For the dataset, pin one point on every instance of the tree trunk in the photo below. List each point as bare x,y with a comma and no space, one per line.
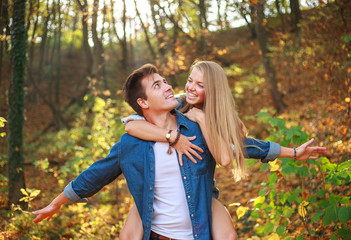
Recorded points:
98,48
153,55
203,26
16,179
89,57
58,60
281,16
295,13
267,63
43,43
159,35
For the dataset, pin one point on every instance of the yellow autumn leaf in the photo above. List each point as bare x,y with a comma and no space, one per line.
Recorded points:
259,200
24,192
273,236
274,165
35,193
347,99
240,212
302,210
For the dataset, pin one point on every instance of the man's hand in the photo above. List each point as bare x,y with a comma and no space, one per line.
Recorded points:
305,152
51,209
184,146
46,212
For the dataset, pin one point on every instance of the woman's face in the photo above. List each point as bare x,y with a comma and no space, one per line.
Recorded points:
195,89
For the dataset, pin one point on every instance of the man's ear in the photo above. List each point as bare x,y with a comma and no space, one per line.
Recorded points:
143,103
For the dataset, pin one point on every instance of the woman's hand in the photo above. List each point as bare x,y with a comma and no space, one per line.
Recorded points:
195,115
305,152
184,146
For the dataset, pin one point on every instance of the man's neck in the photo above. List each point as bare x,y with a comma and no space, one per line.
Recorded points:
163,120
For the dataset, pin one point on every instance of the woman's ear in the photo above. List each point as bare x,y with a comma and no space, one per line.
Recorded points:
142,103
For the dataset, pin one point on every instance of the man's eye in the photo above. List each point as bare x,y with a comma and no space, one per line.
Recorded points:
157,85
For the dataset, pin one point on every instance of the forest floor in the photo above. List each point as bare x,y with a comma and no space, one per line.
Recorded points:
323,113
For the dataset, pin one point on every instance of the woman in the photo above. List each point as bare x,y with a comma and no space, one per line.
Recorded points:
209,103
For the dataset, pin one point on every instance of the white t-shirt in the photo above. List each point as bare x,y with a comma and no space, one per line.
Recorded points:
171,216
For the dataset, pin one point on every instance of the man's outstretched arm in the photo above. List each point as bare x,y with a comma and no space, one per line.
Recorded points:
51,209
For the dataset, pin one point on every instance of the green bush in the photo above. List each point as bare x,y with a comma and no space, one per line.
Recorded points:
302,200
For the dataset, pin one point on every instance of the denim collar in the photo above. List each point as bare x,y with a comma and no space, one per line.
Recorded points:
182,121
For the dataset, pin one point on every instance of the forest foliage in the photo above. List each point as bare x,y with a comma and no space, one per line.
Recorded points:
78,55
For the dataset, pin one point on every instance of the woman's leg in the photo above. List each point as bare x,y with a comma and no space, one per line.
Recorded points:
222,226
133,227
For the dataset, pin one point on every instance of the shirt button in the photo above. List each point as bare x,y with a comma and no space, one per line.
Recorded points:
192,215
147,226
149,207
150,188
188,196
184,177
152,168
195,235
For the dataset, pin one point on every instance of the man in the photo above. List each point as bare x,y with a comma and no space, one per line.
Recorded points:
172,200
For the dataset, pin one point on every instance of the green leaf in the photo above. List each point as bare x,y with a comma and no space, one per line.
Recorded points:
280,230
299,237
303,171
268,228
273,178
316,217
262,192
345,200
333,237
313,171
343,214
344,165
312,199
311,161
321,193
330,215
255,215
346,38
264,166
344,233
250,162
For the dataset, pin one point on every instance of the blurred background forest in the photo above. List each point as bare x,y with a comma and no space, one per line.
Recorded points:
63,64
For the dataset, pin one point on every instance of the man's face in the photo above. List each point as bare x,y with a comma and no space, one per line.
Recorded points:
159,94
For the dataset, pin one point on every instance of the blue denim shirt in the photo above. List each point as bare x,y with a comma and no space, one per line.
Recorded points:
135,159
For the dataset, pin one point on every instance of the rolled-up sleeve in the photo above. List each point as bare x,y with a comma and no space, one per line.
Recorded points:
132,118
258,149
94,178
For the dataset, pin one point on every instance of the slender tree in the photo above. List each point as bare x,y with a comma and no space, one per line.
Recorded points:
295,13
16,179
277,96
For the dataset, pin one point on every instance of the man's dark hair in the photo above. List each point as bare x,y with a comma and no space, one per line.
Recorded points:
133,88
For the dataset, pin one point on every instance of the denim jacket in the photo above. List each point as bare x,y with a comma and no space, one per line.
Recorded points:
135,159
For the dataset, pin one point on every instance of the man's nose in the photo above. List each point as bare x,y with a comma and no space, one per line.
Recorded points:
168,87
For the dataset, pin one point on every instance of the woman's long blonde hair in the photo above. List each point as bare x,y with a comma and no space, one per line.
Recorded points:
222,121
